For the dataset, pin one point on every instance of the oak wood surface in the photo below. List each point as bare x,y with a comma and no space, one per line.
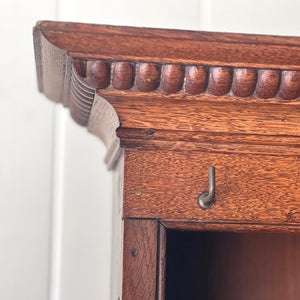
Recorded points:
140,259
175,140
208,116
172,46
251,188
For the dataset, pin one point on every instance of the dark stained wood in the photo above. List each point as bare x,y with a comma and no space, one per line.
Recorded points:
218,266
244,82
229,226
188,263
255,266
196,79
147,77
98,74
290,85
249,188
161,265
220,79
122,78
267,83
80,67
139,259
172,78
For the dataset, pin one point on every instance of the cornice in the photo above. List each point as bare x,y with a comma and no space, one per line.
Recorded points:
112,76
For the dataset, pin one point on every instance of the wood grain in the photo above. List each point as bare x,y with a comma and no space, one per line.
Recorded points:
244,82
161,264
195,80
172,78
139,259
208,116
249,188
98,74
172,46
175,140
220,79
267,83
227,226
147,77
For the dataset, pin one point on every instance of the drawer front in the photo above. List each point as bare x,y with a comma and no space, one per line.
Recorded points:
249,187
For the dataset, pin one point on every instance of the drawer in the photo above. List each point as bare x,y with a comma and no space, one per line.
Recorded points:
248,187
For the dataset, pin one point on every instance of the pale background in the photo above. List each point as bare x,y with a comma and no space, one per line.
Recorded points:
55,192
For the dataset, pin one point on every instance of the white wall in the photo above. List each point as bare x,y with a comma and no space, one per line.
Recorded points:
55,192
25,160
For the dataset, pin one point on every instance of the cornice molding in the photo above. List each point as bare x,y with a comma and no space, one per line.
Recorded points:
110,76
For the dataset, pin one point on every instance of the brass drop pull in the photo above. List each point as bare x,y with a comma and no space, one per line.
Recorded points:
207,198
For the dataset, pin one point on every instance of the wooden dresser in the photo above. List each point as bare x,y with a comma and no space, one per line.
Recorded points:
203,129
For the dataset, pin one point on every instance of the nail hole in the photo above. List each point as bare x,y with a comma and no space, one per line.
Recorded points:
150,132
134,252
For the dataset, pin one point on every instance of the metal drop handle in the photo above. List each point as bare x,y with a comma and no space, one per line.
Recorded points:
207,198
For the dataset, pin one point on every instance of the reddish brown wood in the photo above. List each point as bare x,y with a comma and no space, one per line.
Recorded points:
172,46
251,188
122,78
196,80
212,142
217,266
79,66
219,81
140,259
163,112
147,77
161,265
172,78
227,226
254,266
98,74
267,83
290,85
244,82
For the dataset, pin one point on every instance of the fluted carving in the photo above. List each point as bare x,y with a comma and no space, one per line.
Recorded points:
194,80
81,99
